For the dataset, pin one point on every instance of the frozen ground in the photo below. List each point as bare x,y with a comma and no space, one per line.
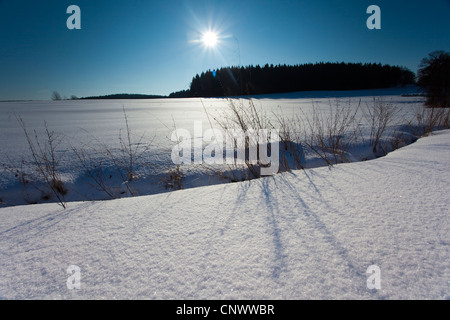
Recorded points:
84,126
308,234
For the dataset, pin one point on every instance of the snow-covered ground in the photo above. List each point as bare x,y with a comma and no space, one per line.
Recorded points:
308,234
376,229
95,127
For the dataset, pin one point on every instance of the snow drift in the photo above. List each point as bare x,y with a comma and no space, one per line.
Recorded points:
309,234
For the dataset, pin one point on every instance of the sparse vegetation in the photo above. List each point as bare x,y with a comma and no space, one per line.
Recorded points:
174,179
125,159
46,161
379,116
239,117
430,119
327,134
331,135
95,171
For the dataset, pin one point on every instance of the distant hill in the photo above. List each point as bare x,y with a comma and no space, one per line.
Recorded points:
125,96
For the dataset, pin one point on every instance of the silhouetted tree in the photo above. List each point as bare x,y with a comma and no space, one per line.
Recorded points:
56,96
180,94
248,80
434,78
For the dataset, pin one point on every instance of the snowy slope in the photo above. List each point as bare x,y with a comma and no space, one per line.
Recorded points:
303,235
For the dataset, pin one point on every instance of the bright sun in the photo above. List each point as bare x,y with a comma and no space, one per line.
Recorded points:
209,39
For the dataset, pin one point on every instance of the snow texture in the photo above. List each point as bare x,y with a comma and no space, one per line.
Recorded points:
308,234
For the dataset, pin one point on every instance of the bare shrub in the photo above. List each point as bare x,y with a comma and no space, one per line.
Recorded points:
244,118
174,179
429,119
292,155
94,170
46,161
331,135
125,159
379,115
399,138
130,151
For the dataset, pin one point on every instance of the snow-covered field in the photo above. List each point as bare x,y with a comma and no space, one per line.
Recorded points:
304,234
92,129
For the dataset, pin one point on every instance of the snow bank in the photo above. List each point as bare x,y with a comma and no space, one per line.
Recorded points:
303,235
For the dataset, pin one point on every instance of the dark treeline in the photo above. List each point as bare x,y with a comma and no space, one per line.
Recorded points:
125,96
250,80
180,94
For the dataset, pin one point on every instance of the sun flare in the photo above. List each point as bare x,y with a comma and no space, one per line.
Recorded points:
209,39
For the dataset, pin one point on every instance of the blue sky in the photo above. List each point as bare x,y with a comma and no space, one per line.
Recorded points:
150,47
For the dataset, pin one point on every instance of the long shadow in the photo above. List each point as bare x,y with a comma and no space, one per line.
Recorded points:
33,227
291,192
240,200
272,204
